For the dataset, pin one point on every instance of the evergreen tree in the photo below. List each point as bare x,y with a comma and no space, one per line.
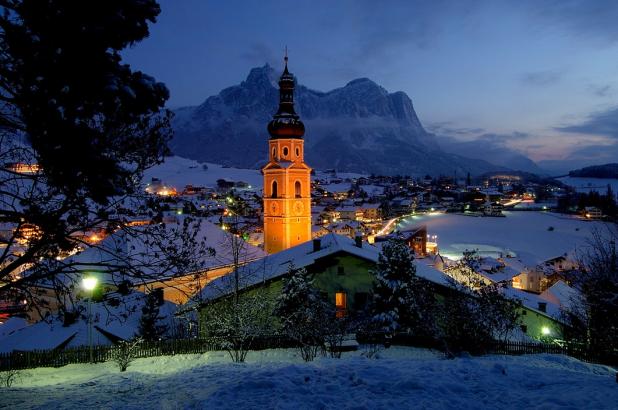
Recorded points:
393,289
610,201
70,105
150,327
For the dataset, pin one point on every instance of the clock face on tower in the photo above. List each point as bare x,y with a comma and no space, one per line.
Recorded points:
298,207
274,208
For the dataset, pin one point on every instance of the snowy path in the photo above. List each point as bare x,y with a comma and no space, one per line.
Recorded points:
276,379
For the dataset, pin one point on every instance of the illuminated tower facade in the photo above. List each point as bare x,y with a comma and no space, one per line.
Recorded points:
287,179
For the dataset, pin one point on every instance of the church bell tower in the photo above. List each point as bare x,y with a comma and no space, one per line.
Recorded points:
287,180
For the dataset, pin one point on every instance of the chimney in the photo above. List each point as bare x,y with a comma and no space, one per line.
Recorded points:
358,240
543,306
317,244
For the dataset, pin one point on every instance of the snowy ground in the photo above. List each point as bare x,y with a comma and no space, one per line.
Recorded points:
525,235
277,379
179,172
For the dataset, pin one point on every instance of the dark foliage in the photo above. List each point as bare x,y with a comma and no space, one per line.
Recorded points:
92,124
150,327
401,300
593,316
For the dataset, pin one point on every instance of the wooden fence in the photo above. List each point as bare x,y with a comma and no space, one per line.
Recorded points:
577,351
57,358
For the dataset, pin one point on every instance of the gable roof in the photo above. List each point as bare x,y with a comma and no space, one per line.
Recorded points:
303,255
112,256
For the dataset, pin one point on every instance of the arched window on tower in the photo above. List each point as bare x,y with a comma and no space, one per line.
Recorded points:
274,190
297,189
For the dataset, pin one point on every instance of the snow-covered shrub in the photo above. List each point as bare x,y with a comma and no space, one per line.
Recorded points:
305,316
470,320
238,321
335,331
125,352
9,376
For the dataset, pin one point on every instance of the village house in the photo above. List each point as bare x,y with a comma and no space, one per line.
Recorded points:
342,267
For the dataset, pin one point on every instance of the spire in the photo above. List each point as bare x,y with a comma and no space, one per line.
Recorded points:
286,123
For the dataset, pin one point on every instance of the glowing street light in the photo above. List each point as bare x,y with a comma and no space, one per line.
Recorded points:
546,331
89,283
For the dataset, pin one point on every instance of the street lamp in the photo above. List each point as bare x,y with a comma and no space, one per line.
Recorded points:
89,283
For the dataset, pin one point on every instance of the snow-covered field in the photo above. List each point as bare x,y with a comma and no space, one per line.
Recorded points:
591,184
179,172
277,379
526,235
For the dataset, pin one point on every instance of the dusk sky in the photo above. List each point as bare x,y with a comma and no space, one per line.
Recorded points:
538,76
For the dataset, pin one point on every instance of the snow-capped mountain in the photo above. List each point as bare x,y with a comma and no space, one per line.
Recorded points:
360,127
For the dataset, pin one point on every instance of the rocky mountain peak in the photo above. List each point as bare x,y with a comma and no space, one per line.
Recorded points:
360,127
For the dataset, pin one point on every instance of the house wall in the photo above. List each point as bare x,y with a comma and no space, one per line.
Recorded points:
335,273
343,273
180,289
535,322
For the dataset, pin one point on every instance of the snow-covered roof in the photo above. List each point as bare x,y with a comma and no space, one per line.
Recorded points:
348,208
278,264
339,187
370,206
372,190
109,257
561,294
121,321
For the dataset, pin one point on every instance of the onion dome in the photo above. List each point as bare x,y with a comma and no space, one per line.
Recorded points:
286,123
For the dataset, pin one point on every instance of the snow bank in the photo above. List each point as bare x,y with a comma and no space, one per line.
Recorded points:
400,378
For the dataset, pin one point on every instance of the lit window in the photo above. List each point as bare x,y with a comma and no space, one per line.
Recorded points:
340,300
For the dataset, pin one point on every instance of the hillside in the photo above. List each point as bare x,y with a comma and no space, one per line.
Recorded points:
606,171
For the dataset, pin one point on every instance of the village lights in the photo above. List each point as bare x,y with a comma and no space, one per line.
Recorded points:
89,283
